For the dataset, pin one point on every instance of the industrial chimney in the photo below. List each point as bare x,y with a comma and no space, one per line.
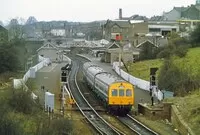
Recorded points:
120,13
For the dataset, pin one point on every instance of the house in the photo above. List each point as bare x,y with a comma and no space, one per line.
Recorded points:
3,34
113,52
162,28
174,14
127,30
146,49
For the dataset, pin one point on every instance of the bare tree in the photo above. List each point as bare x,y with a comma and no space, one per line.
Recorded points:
15,30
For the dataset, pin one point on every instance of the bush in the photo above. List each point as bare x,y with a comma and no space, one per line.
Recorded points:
22,101
195,37
173,50
8,126
166,53
181,51
8,59
173,79
57,127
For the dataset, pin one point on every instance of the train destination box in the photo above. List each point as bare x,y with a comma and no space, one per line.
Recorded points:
49,101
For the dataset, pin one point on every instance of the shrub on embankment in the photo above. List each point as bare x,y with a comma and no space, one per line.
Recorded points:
181,75
21,115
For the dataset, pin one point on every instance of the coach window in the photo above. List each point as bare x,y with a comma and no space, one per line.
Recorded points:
114,92
128,93
121,92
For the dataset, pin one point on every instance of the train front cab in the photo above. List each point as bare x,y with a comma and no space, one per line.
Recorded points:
121,98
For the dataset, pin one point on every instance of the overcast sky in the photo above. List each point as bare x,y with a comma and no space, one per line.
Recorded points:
84,10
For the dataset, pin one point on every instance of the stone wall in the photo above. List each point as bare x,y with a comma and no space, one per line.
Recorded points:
179,123
160,111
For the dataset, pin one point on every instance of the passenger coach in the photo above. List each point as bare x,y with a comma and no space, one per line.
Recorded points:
116,94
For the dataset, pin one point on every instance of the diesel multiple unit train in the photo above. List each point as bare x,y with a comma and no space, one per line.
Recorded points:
116,94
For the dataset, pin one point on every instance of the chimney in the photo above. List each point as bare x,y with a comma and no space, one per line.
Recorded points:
120,13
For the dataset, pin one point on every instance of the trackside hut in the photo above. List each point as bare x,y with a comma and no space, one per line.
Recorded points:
112,53
148,47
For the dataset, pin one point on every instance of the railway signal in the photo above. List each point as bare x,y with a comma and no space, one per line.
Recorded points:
153,85
64,73
64,77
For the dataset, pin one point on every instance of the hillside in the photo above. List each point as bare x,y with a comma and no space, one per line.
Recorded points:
190,63
142,69
189,106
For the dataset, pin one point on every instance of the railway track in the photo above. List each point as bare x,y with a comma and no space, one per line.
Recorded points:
136,126
101,125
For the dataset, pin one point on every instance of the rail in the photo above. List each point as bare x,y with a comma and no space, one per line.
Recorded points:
101,125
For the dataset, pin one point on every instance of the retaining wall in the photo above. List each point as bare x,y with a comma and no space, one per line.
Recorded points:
162,111
179,123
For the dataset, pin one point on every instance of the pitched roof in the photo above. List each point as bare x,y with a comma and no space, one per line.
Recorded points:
147,41
122,23
157,18
48,45
114,45
138,17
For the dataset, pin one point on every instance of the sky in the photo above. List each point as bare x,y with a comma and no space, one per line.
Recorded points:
84,10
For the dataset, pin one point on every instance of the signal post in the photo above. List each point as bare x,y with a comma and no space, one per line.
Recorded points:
153,86
64,83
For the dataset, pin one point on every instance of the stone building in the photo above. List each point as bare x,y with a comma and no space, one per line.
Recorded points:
113,52
128,30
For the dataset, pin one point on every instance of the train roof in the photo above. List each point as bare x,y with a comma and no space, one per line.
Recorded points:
101,74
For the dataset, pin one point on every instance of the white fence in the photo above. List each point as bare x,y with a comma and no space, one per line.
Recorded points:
142,84
17,83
